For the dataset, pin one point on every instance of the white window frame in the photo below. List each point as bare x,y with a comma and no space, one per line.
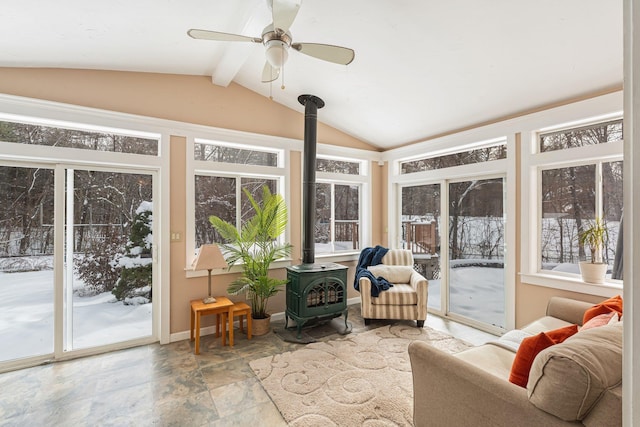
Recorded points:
533,163
363,181
48,113
279,173
503,168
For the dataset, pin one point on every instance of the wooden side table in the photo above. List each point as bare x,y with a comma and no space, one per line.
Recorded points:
223,306
242,310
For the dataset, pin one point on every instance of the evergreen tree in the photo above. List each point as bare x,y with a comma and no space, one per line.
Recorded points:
134,285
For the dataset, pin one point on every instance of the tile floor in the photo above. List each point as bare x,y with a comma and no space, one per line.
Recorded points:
166,385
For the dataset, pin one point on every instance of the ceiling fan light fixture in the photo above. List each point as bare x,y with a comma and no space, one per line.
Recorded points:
276,52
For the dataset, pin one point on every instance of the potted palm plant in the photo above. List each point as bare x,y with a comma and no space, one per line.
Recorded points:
256,246
594,238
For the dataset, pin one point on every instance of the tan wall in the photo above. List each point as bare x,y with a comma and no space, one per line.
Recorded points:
532,301
189,99
194,99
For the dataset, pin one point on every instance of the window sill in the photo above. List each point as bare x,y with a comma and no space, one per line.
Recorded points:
235,269
337,257
607,289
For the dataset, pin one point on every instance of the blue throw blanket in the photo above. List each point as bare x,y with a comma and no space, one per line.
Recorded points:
371,256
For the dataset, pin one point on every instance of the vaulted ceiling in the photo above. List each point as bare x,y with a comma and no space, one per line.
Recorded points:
422,67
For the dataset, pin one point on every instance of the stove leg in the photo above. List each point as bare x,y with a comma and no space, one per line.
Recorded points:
346,325
286,320
299,336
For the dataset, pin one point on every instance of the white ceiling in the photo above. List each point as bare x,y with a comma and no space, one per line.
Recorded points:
422,67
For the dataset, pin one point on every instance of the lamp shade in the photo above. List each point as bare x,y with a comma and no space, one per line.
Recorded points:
209,257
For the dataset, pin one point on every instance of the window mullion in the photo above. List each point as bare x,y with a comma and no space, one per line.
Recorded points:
599,192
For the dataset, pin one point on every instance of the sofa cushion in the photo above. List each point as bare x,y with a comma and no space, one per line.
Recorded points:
399,294
393,273
607,306
600,320
529,349
568,379
493,359
546,323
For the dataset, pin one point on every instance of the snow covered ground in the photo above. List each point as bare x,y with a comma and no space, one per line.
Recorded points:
26,310
476,293
26,317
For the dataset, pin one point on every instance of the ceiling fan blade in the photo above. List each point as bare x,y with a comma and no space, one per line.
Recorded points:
218,36
284,12
269,73
336,54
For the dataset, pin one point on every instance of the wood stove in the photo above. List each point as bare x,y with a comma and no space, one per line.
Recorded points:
314,291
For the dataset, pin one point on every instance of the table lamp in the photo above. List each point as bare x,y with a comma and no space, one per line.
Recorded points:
208,258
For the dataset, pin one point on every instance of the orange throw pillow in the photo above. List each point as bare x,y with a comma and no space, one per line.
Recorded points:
606,306
529,349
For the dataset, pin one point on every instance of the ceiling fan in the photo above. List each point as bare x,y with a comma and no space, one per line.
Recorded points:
277,40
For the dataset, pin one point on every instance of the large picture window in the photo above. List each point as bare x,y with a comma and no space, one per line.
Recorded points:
221,174
218,195
577,186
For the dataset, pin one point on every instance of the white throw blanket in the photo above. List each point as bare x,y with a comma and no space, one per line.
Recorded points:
511,340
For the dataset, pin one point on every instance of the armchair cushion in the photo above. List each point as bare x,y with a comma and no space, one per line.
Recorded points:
393,273
400,294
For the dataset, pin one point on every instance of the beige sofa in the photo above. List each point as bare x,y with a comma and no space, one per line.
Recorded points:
577,382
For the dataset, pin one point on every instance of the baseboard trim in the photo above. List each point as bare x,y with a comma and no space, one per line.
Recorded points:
185,335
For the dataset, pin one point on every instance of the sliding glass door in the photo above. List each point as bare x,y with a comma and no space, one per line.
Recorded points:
476,285
83,279
465,266
26,262
421,223
108,257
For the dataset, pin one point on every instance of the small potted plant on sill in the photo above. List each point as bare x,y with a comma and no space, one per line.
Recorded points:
594,238
256,246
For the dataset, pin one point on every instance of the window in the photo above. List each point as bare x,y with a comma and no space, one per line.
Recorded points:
467,157
599,133
338,205
219,184
58,136
217,195
214,152
580,179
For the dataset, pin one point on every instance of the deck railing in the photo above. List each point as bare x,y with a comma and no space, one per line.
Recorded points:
420,238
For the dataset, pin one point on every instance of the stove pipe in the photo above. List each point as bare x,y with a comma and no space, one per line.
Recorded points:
311,104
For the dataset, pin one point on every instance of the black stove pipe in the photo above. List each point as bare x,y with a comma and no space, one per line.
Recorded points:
311,104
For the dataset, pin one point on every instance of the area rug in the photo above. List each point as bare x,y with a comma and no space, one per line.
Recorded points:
359,380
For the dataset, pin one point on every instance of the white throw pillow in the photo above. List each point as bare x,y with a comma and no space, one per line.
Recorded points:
393,273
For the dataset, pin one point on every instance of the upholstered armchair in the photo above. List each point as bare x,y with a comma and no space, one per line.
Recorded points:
406,299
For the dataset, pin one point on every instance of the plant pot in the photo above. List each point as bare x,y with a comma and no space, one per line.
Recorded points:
261,326
593,272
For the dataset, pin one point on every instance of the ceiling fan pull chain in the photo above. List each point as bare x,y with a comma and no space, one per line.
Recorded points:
282,69
271,90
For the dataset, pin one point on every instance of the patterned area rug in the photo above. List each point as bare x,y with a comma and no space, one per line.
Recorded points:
359,380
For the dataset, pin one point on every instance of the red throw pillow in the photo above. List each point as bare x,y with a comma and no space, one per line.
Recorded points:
606,306
529,349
